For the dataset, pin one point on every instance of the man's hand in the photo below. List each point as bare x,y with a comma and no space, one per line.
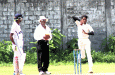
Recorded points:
75,18
77,22
14,47
84,32
46,37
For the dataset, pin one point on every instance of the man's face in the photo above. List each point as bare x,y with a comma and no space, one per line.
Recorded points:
20,19
43,21
84,20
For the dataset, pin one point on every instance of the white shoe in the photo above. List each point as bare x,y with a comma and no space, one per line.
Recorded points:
90,69
41,73
47,72
13,73
22,73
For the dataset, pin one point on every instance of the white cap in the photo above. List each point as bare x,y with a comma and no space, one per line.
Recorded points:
43,17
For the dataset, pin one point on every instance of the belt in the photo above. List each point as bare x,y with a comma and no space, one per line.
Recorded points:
43,40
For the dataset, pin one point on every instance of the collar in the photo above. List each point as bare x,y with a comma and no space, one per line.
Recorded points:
16,23
42,26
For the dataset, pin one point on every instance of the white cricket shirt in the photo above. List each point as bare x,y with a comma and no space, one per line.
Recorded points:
40,32
18,35
87,28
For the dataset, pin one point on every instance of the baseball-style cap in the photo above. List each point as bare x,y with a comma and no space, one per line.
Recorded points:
18,16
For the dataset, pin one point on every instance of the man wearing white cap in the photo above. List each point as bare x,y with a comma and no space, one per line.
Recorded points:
16,36
43,34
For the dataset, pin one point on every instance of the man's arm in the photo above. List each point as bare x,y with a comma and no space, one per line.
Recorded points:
91,30
90,33
37,33
11,38
75,18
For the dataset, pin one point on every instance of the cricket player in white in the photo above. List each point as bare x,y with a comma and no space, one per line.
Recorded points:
84,30
16,36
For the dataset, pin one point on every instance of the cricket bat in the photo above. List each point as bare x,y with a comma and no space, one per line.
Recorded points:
17,66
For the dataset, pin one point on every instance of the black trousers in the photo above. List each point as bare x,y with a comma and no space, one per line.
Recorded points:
43,55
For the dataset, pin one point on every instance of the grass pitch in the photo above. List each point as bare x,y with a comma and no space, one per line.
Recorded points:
59,69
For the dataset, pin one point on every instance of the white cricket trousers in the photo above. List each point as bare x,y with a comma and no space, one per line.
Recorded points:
85,44
21,56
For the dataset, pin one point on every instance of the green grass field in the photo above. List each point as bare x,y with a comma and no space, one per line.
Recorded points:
31,69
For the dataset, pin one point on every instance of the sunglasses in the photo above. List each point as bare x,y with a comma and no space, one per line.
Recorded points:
43,20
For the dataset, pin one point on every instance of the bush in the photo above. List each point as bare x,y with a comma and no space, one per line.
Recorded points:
57,54
72,44
6,54
103,56
31,57
96,56
109,44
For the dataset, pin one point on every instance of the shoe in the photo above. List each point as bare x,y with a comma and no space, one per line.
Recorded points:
13,73
19,74
90,71
22,74
41,73
47,72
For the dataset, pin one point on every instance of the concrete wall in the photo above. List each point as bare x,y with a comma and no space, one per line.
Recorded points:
101,17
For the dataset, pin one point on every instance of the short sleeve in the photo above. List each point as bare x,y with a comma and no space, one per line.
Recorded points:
77,22
38,34
90,28
13,29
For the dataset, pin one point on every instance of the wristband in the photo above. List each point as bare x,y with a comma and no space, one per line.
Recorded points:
91,33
